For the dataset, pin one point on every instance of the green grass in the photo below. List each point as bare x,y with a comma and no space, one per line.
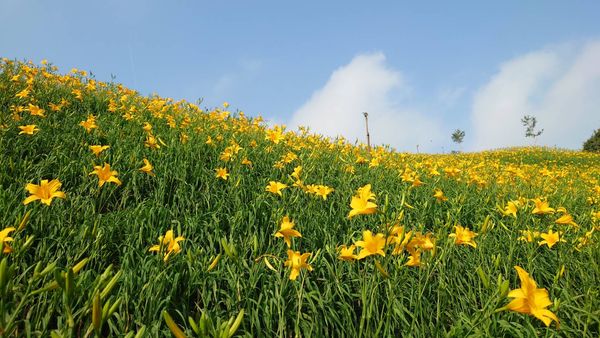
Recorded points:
114,226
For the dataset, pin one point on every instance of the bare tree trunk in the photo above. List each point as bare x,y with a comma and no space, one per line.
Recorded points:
367,126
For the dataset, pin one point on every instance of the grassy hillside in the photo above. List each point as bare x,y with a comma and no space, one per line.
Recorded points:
86,259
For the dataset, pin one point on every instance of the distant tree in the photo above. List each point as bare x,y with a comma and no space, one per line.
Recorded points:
593,143
529,122
458,136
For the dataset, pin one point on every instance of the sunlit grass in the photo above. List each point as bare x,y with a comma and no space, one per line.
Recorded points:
216,188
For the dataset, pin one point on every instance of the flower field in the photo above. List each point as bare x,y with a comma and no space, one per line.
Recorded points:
125,215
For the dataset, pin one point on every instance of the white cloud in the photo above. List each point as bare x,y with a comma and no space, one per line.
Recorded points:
366,84
560,86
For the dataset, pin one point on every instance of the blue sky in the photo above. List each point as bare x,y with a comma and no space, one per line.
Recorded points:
421,70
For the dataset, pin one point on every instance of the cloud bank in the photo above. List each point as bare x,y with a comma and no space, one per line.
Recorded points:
560,86
366,84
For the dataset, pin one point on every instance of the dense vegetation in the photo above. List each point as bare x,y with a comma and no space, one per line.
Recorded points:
593,143
265,232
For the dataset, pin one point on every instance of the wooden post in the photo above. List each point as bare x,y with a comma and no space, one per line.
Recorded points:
367,126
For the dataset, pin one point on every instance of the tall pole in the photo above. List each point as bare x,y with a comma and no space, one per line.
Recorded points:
367,126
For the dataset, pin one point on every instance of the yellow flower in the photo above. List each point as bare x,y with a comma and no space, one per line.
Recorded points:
286,230
276,187
347,253
510,209
596,215
226,155
296,262
420,241
151,142
530,299
23,93
439,196
89,124
414,259
29,129
147,168
274,135
167,245
54,106
147,127
222,173
566,219
105,175
77,94
247,162
362,203
297,172
36,111
417,182
371,245
322,190
528,235
399,238
542,207
5,239
551,238
44,192
97,149
463,236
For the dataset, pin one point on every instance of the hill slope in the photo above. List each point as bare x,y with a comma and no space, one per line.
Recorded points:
211,177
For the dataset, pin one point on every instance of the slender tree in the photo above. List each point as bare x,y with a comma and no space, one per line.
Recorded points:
529,122
458,136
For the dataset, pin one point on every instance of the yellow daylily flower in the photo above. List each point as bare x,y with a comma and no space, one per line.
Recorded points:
276,187
322,191
151,142
421,242
222,173
89,124
530,299
36,111
439,196
297,262
147,168
105,175
400,238
23,93
167,244
297,172
5,239
542,207
362,203
286,230
347,253
29,129
528,235
566,219
97,149
44,192
371,245
463,235
414,259
511,208
551,238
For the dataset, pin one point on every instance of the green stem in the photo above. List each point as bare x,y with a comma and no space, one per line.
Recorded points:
10,323
299,305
